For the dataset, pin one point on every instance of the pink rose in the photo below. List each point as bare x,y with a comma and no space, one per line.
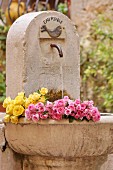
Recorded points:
72,114
32,107
35,118
54,108
43,116
95,114
77,116
60,110
50,112
96,118
59,103
72,107
80,113
77,101
41,109
86,111
28,114
86,102
90,103
49,104
83,106
56,116
67,111
40,104
94,111
88,117
47,109
66,99
78,107
71,103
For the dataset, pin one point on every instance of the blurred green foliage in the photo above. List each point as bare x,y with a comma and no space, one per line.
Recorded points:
97,63
3,35
2,87
63,8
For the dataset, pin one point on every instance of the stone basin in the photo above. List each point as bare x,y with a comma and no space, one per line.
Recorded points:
61,138
49,139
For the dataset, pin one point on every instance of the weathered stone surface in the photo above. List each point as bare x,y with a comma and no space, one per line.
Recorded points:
2,136
1,117
84,163
32,63
52,142
108,165
10,160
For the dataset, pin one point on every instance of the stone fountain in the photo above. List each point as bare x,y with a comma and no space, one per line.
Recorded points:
43,50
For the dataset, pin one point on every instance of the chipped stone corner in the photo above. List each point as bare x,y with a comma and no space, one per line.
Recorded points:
8,158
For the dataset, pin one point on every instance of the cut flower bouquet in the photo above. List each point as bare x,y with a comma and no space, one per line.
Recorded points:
37,107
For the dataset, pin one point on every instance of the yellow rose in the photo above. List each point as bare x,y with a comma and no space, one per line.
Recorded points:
21,94
36,96
9,109
42,99
6,102
19,100
30,97
12,102
18,110
7,118
43,91
14,119
27,102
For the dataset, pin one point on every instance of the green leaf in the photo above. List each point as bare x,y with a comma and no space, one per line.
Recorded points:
71,119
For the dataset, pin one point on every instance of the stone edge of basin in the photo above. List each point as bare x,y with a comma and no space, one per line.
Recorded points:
105,118
2,114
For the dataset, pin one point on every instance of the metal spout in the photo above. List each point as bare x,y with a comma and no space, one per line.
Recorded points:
58,48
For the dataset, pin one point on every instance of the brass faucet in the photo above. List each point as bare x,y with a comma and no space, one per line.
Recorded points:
58,48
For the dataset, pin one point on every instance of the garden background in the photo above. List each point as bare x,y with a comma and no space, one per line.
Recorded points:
94,22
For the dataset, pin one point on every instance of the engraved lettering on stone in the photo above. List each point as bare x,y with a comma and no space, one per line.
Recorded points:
52,19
